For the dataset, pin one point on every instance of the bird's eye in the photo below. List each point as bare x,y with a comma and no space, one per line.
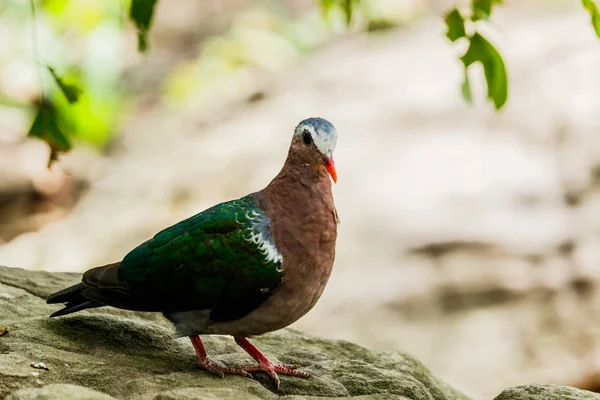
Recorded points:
306,137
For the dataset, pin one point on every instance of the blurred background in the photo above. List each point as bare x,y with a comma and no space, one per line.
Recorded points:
469,238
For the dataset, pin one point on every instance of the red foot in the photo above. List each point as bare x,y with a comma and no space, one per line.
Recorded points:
272,369
266,365
221,371
205,363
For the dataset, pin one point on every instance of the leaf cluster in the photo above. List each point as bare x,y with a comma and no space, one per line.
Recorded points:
592,8
140,13
462,25
48,124
347,7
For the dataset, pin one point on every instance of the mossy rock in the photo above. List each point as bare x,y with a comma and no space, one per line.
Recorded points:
106,353
114,354
546,392
59,392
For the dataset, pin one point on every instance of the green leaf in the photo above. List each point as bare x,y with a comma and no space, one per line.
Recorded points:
456,25
465,89
380,25
589,5
346,6
592,8
596,23
140,13
348,9
45,126
327,4
482,9
480,50
71,92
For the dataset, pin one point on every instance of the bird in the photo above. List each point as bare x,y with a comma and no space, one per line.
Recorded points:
243,268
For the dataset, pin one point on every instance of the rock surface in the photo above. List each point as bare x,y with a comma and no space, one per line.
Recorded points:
59,392
114,354
130,355
546,392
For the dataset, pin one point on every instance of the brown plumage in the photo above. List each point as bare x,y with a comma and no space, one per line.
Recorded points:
295,228
299,201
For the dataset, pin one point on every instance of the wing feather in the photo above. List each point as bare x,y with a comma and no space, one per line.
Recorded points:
209,261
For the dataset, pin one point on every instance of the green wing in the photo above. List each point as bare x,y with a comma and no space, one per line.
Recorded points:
222,259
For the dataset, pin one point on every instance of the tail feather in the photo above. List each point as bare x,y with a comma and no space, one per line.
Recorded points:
74,299
71,308
67,294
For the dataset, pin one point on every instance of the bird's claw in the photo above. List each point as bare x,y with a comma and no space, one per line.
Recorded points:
272,370
221,371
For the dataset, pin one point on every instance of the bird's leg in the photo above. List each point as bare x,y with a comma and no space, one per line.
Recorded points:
205,363
266,365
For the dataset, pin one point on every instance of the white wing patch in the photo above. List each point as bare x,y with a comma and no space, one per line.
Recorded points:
267,247
261,236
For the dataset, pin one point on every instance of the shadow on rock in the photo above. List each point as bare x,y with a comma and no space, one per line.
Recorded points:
97,334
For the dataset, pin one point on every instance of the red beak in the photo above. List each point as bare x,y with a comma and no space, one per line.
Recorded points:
330,165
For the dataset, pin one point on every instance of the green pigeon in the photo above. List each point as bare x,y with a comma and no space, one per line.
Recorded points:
243,268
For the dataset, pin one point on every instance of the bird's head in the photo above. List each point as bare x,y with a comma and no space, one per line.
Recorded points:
316,138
